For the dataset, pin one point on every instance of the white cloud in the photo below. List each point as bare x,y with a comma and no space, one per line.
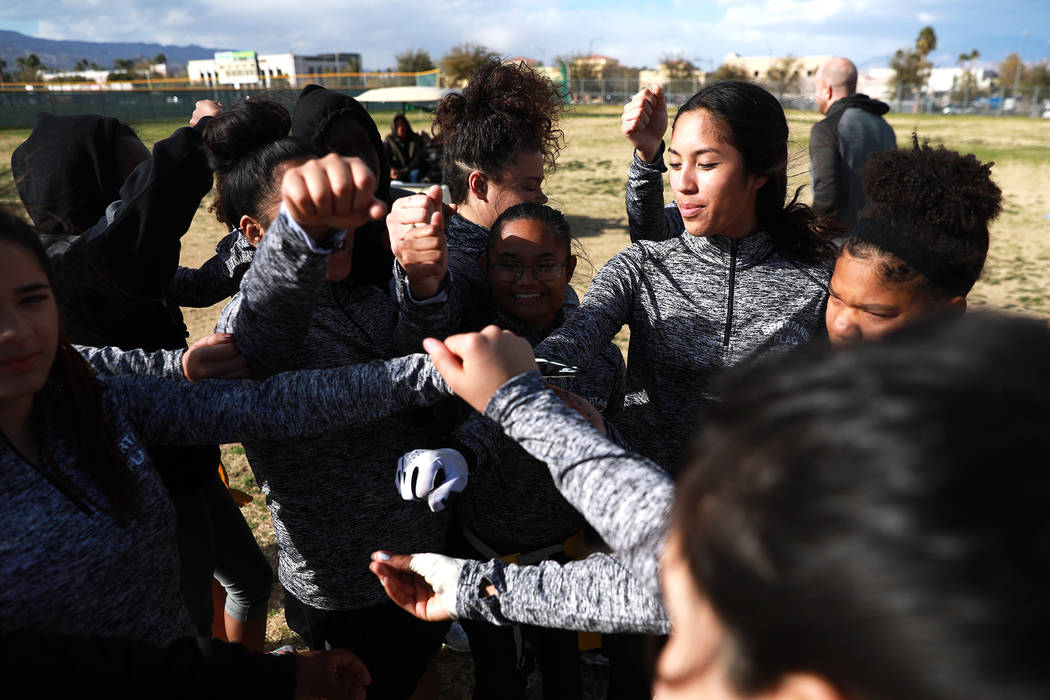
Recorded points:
637,33
778,12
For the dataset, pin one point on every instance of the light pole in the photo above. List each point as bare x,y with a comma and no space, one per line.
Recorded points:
1020,64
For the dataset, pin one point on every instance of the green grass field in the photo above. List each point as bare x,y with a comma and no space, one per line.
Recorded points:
589,187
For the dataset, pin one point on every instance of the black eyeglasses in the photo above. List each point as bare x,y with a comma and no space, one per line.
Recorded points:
544,271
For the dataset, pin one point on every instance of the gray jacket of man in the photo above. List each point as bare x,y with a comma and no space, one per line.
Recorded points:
839,146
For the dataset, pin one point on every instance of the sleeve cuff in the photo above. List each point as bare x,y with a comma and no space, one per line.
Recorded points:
513,392
332,240
440,297
657,163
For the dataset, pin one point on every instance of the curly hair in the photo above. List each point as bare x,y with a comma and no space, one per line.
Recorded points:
943,198
505,109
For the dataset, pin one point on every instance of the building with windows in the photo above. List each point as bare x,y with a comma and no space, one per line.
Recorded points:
238,68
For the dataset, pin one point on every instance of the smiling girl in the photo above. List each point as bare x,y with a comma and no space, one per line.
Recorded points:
511,506
501,137
89,525
731,273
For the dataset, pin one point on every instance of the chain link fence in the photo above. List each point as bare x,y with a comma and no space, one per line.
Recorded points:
148,100
174,99
1002,101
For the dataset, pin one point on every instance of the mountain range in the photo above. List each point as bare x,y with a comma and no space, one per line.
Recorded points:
63,55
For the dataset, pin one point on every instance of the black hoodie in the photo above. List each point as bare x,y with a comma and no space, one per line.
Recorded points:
315,110
114,245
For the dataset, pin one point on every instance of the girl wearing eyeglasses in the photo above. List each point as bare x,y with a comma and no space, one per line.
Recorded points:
511,506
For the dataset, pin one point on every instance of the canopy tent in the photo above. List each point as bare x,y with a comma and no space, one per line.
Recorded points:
408,94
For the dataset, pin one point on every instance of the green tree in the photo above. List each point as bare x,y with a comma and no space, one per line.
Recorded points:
907,69
413,61
29,68
911,69
124,69
926,41
84,64
784,74
462,60
966,84
729,71
677,66
159,58
5,77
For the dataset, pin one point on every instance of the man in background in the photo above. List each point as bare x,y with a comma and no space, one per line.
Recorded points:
852,130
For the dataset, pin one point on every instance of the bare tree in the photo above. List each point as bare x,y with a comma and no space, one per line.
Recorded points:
462,60
784,74
677,66
579,67
729,71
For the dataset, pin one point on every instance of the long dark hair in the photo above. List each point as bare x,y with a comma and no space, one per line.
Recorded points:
505,109
73,400
879,516
753,122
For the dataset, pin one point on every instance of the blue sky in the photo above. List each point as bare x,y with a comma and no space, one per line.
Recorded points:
638,33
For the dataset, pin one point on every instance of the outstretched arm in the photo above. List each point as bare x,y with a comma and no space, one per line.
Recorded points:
625,497
291,404
597,594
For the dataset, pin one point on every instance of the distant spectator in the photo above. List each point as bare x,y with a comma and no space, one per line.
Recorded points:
839,145
404,151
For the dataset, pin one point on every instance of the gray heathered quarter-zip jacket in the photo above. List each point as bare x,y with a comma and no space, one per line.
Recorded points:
510,500
625,497
331,497
694,306
78,569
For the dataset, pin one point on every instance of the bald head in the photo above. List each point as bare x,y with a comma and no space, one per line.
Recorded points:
836,79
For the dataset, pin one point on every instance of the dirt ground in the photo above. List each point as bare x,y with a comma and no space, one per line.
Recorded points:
588,186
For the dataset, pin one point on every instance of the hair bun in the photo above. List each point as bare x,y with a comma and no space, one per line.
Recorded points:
244,127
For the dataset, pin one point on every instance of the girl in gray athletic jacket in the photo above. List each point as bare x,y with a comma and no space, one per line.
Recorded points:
729,273
835,517
511,507
89,527
301,306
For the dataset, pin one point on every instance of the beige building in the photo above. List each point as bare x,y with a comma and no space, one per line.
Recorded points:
661,76
601,67
757,67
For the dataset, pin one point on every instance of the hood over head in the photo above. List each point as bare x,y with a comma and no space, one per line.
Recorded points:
317,108
315,111
68,171
399,117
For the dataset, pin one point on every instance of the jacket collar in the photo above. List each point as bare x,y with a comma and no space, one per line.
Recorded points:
750,250
858,101
465,236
